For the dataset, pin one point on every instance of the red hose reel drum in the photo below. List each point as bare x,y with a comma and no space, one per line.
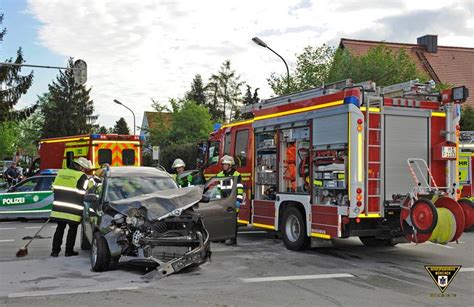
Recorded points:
423,217
468,209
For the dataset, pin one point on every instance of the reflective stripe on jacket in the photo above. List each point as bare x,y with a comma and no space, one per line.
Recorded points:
69,188
226,186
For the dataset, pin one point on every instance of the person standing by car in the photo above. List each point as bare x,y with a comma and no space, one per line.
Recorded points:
179,166
69,190
228,170
12,175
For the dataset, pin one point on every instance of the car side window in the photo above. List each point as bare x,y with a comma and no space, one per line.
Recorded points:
27,185
218,187
45,184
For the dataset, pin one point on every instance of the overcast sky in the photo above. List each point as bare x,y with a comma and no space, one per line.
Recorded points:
138,50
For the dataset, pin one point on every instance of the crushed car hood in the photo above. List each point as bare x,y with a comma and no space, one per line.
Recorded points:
160,204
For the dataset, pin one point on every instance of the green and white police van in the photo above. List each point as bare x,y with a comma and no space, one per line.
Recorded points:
32,198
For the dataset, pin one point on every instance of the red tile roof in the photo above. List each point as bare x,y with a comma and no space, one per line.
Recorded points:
451,65
154,117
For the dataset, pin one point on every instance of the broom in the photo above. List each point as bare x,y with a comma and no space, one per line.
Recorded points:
22,252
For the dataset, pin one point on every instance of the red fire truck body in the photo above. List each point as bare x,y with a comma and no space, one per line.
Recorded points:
113,149
333,163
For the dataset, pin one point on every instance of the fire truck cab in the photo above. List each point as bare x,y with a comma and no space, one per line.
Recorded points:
350,160
113,149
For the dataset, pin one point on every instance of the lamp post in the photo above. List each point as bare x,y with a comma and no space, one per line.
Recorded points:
261,43
118,102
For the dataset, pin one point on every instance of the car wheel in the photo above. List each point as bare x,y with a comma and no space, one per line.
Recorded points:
294,230
85,244
100,255
374,242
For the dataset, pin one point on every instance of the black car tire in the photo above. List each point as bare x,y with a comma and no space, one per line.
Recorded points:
294,230
85,244
100,254
374,242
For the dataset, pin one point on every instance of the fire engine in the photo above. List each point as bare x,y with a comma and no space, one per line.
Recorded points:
350,160
113,149
466,164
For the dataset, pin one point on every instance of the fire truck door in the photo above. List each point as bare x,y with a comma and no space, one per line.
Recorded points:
220,217
405,137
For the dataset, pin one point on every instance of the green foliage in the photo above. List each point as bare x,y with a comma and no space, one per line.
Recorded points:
380,64
197,92
13,85
69,110
312,70
467,119
29,134
250,98
103,130
187,152
121,127
190,124
8,132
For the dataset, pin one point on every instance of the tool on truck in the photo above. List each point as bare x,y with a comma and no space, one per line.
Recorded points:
331,162
111,149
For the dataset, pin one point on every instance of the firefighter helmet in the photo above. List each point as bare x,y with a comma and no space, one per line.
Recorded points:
227,160
83,162
178,163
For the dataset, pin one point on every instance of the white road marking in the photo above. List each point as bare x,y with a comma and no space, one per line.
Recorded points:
297,277
467,269
33,227
8,228
256,231
445,246
2,241
72,291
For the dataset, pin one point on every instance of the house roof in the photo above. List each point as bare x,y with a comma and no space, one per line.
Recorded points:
152,118
451,65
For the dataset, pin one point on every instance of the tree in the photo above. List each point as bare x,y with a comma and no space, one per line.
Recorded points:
312,70
69,110
379,64
467,119
225,88
197,92
103,130
121,127
320,65
8,133
14,85
191,123
250,99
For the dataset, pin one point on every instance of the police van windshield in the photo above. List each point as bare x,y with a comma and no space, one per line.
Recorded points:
127,187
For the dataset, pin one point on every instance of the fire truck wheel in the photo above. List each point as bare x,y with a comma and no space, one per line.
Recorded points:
374,242
294,230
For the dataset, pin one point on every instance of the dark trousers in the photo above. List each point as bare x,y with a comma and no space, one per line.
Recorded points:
71,237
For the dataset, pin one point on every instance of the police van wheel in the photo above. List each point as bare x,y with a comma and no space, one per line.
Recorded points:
85,244
294,230
100,255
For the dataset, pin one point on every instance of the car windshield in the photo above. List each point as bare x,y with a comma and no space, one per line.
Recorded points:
127,187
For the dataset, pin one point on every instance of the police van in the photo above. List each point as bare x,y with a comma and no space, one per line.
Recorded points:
32,198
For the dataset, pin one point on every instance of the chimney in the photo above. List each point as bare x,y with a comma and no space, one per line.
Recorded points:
430,42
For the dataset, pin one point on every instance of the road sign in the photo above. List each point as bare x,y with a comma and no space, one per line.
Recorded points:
80,72
156,152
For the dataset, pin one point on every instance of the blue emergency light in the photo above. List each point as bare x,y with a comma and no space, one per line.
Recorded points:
352,100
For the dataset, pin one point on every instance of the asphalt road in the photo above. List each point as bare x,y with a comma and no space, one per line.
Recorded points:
257,272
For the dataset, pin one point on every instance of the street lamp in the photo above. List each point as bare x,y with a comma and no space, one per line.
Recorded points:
261,43
118,102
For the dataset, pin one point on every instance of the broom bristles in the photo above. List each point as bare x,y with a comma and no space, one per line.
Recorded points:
22,252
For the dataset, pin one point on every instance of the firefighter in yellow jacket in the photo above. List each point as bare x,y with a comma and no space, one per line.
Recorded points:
69,189
228,170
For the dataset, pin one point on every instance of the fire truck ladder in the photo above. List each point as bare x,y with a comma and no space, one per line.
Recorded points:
374,137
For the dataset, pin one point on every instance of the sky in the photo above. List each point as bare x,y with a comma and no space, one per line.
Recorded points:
152,49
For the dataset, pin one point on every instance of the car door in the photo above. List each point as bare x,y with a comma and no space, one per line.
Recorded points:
219,214
91,211
23,200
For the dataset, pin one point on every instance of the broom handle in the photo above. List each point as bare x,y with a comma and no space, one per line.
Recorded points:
31,240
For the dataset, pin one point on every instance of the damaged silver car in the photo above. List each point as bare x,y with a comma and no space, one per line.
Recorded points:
138,215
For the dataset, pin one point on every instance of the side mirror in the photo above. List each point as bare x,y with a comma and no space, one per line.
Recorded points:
12,189
205,198
91,198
